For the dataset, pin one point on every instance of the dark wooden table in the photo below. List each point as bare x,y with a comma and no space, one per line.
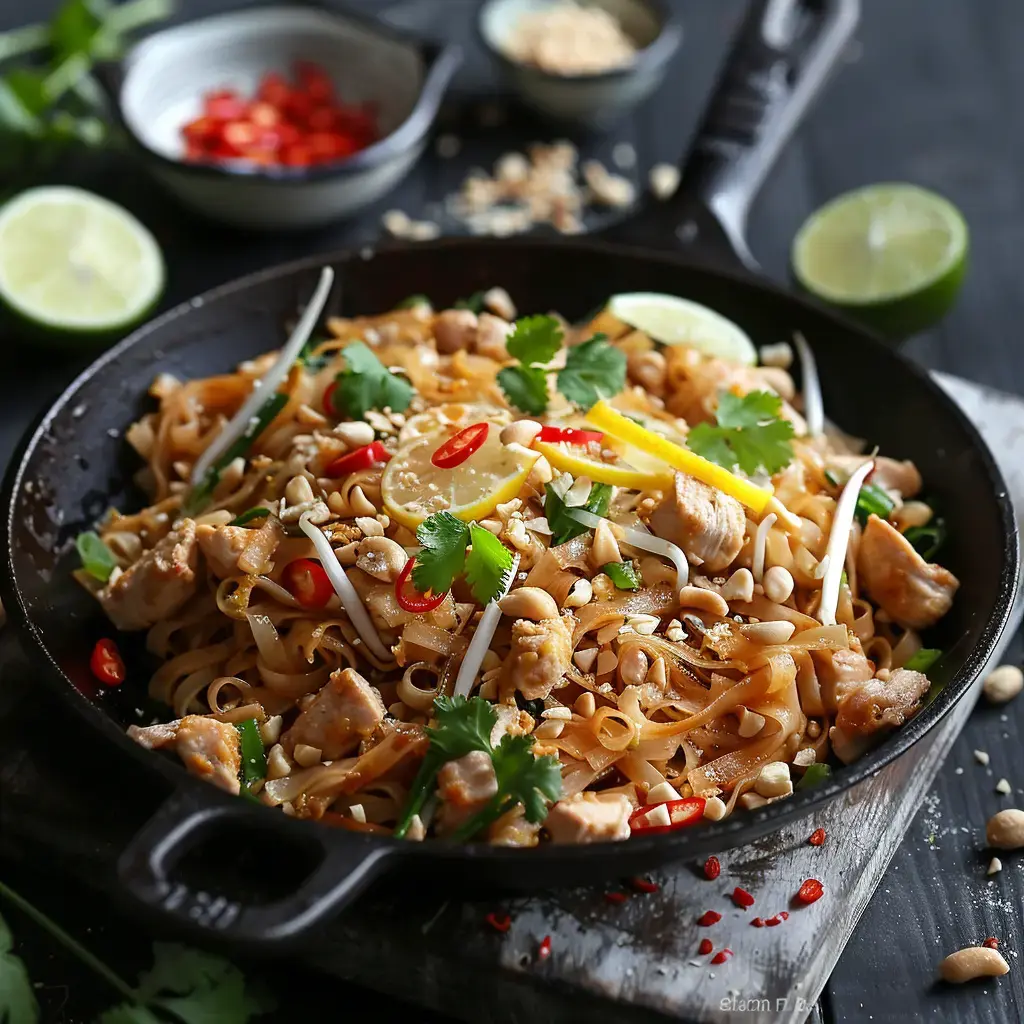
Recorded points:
931,95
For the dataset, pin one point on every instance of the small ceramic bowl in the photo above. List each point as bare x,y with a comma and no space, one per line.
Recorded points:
160,85
593,99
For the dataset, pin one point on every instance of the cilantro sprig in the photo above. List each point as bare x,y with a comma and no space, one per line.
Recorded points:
750,434
487,566
563,526
464,726
366,383
593,370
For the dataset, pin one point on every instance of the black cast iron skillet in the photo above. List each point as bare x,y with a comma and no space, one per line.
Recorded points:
75,463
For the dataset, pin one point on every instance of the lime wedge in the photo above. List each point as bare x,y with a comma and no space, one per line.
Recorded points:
893,255
674,321
72,263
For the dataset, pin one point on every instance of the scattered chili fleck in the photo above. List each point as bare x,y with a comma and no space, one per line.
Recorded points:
712,868
544,949
644,885
705,947
722,956
709,917
811,891
615,897
758,922
742,898
784,914
499,922
992,942
773,921
817,837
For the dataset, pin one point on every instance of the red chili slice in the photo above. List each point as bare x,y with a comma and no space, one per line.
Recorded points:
409,597
708,918
499,922
817,837
307,581
615,897
720,958
107,664
328,400
705,947
742,898
457,449
811,891
225,105
773,921
991,942
644,885
544,949
362,458
568,435
759,922
680,812
712,868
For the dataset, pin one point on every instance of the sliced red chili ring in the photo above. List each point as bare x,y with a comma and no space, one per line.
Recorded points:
307,581
329,399
461,446
362,458
107,664
742,898
705,947
499,922
712,868
817,837
409,597
720,958
811,891
680,813
568,435
708,918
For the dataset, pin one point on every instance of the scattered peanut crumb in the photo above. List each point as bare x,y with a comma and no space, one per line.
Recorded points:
448,146
981,756
995,865
400,225
1004,787
664,180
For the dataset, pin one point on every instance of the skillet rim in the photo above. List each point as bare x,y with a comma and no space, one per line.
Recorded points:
713,835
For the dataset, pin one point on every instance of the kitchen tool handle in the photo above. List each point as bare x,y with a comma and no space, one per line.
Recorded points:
779,63
146,869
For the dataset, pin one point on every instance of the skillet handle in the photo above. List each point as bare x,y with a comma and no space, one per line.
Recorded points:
778,64
342,870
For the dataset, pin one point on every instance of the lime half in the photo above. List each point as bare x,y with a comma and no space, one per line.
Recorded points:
892,255
72,263
674,321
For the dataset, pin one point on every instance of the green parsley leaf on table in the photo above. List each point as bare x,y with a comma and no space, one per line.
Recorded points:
366,383
623,575
564,527
444,539
17,999
593,370
488,565
535,339
526,387
750,434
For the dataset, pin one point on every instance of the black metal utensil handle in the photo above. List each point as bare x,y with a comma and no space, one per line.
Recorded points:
780,60
341,869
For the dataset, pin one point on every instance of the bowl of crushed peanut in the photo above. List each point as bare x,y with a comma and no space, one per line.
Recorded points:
585,61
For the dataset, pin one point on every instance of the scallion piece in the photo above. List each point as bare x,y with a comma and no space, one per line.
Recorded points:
816,774
833,478
97,559
413,301
922,660
623,575
475,303
249,515
254,759
927,540
872,500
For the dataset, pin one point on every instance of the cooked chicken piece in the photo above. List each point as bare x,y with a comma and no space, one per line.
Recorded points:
589,818
703,521
208,748
464,786
511,721
221,547
838,672
540,656
915,593
879,704
893,475
491,335
345,711
157,585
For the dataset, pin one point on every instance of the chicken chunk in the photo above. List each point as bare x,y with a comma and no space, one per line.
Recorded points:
540,656
898,477
878,704
912,591
345,712
208,748
702,520
491,337
157,585
589,818
221,547
465,786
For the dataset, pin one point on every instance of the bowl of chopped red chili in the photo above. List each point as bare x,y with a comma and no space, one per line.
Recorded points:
281,117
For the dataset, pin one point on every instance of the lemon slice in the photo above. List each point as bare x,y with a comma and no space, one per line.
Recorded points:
413,487
675,321
580,461
452,416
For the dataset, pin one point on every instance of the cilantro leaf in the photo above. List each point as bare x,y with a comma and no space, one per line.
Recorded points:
623,575
535,339
488,565
463,725
594,370
97,559
17,1000
563,527
444,539
525,387
750,434
367,384
526,779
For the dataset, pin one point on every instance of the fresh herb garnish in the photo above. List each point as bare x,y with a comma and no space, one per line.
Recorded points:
474,303
97,559
623,575
488,565
563,526
367,384
750,434
816,774
525,387
833,478
593,370
443,557
254,758
313,360
923,659
413,301
927,540
249,515
464,726
873,500
201,494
